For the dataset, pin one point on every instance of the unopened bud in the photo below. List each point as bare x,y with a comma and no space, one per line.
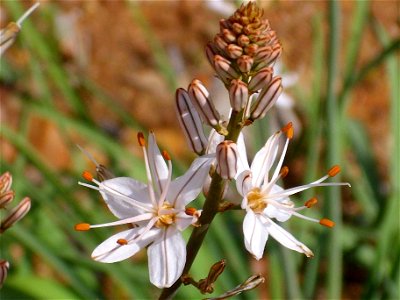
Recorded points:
103,173
267,56
238,94
6,198
251,49
237,28
201,100
190,122
227,159
16,214
224,69
243,40
245,63
228,35
234,51
5,182
220,42
261,79
210,53
267,98
4,267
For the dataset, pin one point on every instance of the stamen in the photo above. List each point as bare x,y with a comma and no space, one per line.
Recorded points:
190,211
87,175
122,242
334,171
88,186
141,139
311,202
166,155
82,227
284,172
327,223
288,130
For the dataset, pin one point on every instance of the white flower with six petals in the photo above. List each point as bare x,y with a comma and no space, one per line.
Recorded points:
156,211
264,200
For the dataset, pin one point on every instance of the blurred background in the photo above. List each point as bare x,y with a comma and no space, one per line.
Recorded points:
94,73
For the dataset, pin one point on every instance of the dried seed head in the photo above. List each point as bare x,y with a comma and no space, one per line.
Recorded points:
201,100
4,267
238,94
267,98
248,33
190,122
16,214
227,159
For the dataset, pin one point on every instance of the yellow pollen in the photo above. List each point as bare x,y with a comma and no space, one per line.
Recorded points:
327,223
334,171
82,227
311,202
87,175
167,219
256,200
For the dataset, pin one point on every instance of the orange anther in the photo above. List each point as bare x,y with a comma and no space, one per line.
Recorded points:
327,223
122,242
141,140
190,211
166,155
82,227
87,175
311,202
284,171
334,171
288,130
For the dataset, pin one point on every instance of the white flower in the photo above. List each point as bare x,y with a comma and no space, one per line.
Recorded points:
264,200
156,211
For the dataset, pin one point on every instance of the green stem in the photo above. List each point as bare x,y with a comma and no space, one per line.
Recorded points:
333,199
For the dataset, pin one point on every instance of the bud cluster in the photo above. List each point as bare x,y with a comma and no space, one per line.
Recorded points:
12,216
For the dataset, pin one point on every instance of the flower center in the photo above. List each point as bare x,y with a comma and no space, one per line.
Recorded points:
165,218
256,200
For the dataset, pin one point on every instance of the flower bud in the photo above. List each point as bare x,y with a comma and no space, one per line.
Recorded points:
201,100
6,198
5,182
243,40
16,214
228,35
220,42
234,51
210,53
261,79
268,56
245,63
238,94
224,69
267,98
227,159
4,266
190,122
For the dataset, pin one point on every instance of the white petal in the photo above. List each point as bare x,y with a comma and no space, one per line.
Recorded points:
134,197
243,183
286,239
264,160
242,162
213,140
255,234
272,211
110,251
167,257
158,166
186,188
183,221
